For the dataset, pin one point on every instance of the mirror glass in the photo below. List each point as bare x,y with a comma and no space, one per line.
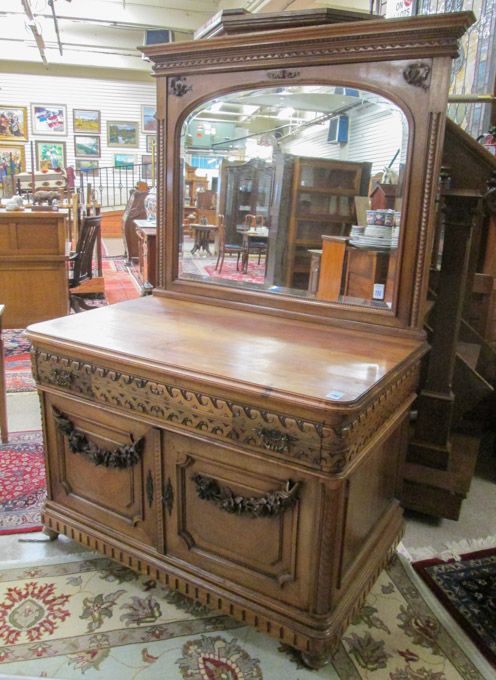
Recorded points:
295,191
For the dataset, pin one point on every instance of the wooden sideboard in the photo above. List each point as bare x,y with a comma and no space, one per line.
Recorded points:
269,497
34,249
238,443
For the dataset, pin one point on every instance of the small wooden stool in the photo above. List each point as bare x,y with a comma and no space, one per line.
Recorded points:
3,395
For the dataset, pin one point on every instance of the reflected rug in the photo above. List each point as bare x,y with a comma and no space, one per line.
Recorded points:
22,483
467,588
96,619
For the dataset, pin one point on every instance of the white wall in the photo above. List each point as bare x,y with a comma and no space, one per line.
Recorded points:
115,99
375,134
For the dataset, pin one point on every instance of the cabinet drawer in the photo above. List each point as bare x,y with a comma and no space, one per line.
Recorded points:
104,466
239,517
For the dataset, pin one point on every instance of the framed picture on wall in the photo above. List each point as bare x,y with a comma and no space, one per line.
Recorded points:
148,118
49,119
50,155
124,160
149,141
87,145
122,133
83,165
146,167
13,123
12,160
86,121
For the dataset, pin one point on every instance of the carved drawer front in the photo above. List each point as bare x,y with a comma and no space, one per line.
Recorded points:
104,466
240,518
273,433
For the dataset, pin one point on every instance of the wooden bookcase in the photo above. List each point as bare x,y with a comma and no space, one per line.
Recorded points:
322,203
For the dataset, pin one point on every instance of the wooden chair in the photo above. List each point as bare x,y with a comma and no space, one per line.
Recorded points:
230,248
81,260
254,246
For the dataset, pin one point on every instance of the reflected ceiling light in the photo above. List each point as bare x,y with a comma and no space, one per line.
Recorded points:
216,107
286,113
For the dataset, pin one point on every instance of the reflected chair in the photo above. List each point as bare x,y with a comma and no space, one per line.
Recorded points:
254,246
240,250
81,260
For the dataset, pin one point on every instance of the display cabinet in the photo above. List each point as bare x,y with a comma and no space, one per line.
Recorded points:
322,203
238,440
245,189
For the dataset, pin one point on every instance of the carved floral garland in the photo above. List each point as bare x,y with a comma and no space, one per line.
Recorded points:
122,457
274,503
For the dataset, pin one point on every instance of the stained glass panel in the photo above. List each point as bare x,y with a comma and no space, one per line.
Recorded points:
474,70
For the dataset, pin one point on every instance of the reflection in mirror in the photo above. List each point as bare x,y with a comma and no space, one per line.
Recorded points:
297,191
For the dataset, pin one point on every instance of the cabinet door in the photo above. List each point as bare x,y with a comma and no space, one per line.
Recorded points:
270,554
124,499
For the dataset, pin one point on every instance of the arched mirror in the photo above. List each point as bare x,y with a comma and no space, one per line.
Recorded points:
296,191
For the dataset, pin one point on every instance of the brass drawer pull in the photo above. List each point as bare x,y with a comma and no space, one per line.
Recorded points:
121,457
274,440
273,503
62,378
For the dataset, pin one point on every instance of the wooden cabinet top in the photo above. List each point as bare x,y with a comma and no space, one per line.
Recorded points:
33,214
251,353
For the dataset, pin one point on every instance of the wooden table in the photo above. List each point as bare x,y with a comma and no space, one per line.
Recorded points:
146,231
34,250
201,234
249,236
3,395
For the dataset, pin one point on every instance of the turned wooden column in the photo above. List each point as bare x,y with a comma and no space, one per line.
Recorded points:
431,443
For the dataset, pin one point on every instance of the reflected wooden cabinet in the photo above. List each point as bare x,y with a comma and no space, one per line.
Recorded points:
322,203
245,189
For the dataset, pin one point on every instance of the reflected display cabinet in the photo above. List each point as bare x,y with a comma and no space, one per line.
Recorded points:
237,440
322,203
245,189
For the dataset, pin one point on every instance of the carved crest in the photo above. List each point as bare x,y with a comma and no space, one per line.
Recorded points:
283,74
178,86
417,74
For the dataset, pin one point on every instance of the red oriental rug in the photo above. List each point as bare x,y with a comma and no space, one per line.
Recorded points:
467,589
255,274
18,376
22,483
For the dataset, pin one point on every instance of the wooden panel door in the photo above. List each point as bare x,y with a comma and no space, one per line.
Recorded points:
125,499
268,554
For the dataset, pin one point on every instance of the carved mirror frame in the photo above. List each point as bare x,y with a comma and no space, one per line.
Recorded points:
408,61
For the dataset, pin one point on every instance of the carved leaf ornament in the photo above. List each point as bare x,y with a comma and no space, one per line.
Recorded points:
122,457
273,503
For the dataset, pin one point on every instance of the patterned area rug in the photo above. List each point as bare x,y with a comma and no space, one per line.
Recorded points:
255,273
467,588
122,281
96,619
22,483
18,376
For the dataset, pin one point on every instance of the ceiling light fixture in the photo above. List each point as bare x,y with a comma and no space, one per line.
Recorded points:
35,31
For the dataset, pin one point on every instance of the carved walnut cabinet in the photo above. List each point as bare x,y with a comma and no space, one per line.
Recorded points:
241,445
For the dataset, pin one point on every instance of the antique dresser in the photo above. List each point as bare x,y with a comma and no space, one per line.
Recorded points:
237,440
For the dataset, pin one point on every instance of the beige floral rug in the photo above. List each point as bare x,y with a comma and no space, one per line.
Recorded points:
95,619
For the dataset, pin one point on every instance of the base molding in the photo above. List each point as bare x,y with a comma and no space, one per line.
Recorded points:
316,644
